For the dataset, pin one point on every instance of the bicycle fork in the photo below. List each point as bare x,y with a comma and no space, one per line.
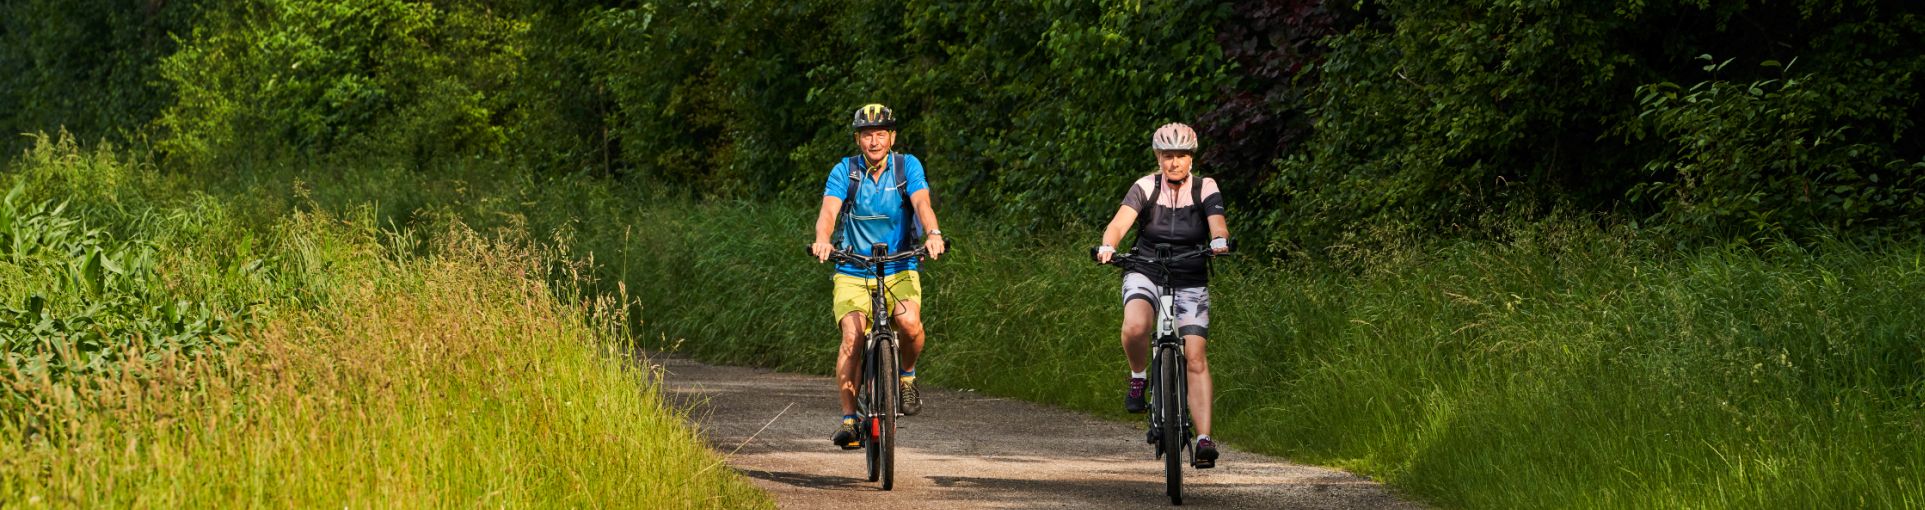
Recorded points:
872,351
1168,346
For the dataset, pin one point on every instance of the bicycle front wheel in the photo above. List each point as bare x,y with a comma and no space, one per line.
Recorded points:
889,387
1170,404
868,404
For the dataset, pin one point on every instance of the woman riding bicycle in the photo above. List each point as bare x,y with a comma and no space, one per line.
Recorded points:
887,196
1169,207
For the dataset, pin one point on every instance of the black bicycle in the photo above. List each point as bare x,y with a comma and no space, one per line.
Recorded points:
1169,386
879,391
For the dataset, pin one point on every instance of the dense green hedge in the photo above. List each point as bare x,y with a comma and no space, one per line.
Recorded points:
88,65
1040,108
405,81
1429,114
1730,119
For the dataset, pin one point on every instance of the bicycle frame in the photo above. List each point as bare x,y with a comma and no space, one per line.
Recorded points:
881,332
1169,346
879,392
1169,368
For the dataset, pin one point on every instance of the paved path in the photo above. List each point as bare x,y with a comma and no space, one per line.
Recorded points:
970,451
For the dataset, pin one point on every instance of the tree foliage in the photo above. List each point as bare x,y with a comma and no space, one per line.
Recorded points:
406,80
87,65
1041,109
1431,114
1324,120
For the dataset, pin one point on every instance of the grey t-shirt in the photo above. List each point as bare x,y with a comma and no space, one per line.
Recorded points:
1177,219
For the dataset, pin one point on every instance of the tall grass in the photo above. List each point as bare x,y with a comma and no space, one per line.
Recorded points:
372,363
1565,367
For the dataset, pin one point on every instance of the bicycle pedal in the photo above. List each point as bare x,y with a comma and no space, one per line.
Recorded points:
1203,464
856,446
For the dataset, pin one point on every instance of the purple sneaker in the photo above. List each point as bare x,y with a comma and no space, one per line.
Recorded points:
1205,453
1134,401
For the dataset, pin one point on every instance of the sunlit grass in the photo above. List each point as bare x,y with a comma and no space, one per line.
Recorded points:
374,364
1567,367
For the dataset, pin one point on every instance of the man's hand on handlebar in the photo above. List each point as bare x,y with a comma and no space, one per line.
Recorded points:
935,246
821,251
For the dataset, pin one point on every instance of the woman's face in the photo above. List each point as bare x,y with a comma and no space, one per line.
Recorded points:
1175,164
875,143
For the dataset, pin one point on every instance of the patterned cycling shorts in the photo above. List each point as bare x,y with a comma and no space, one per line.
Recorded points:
1191,306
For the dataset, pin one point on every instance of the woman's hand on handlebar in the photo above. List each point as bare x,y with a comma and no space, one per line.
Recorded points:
1104,254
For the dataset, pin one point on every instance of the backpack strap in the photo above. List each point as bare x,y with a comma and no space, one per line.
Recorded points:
1196,200
849,202
1143,217
902,185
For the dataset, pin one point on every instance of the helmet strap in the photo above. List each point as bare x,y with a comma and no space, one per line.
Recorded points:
877,167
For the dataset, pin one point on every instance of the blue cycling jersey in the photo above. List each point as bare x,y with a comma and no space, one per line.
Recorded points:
879,214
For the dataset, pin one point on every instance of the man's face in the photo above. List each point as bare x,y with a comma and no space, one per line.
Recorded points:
1175,164
875,143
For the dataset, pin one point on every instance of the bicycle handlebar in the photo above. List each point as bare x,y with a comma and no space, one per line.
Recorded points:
845,255
1133,257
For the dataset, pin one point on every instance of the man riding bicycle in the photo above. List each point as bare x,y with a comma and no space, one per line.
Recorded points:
882,197
1169,207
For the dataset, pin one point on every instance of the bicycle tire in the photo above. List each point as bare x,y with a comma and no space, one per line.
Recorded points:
872,453
891,397
1172,425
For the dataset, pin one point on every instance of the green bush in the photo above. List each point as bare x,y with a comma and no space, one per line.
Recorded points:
1758,158
1039,108
1429,115
97,276
390,79
88,66
78,300
1326,120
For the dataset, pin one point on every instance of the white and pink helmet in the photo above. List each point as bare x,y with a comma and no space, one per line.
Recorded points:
1174,136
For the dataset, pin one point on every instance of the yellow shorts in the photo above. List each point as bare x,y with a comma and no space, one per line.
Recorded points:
852,293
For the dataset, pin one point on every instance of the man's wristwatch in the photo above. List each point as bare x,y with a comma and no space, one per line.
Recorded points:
934,233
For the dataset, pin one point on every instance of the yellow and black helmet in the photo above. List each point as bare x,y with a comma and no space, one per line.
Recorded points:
873,115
